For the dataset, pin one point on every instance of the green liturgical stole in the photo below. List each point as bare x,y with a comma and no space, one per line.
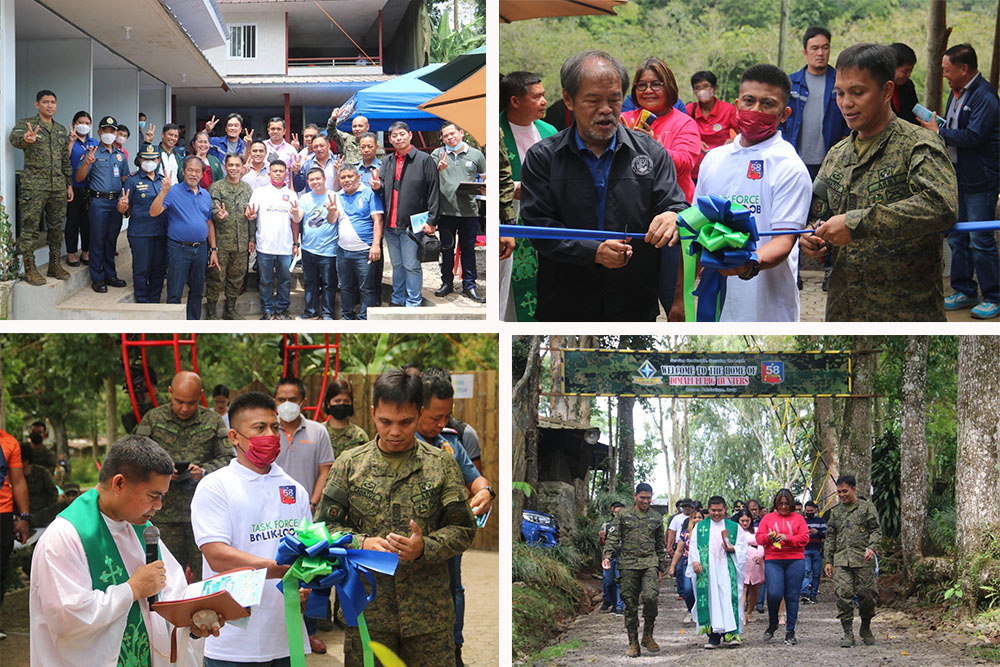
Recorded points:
701,584
108,569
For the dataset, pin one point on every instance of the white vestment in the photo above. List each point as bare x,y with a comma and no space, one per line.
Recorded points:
73,624
720,590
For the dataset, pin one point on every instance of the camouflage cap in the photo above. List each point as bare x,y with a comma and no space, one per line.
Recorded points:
108,121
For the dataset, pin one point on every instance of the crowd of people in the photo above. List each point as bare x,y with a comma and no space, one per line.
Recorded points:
845,151
727,566
200,214
223,486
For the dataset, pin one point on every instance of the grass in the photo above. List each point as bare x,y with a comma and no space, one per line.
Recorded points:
989,654
556,652
544,592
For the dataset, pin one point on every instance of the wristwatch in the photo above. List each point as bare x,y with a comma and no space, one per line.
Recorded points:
296,245
493,494
213,250
752,271
25,516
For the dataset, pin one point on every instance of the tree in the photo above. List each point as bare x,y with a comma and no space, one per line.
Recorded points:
524,449
856,433
976,487
937,44
826,470
913,453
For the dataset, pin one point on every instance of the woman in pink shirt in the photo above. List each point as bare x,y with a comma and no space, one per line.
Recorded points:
755,563
654,89
784,534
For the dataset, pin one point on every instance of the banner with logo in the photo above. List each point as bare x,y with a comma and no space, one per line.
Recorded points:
705,374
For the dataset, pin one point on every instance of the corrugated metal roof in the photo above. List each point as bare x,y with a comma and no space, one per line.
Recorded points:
293,80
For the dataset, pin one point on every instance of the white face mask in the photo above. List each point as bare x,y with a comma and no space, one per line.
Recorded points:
149,165
108,138
120,140
704,95
289,411
83,129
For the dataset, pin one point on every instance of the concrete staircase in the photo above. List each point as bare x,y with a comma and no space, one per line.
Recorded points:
73,299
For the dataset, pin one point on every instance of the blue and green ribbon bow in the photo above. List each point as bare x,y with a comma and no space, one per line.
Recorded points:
320,561
722,236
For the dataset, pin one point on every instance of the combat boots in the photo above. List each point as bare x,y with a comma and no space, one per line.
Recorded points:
229,313
31,274
848,639
647,637
211,310
866,632
55,270
633,644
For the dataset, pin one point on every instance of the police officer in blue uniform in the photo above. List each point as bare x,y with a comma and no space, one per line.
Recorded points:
147,234
107,168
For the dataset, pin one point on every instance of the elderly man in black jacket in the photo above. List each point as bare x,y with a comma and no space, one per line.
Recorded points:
596,174
410,186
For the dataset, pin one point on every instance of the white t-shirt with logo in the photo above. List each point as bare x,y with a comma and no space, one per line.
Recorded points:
250,512
525,136
274,219
771,180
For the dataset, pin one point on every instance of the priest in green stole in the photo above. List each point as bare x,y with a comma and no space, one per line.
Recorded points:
89,577
716,562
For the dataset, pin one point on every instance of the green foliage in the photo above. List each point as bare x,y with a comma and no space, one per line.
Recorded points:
544,569
524,488
83,471
584,540
447,43
556,652
954,591
544,590
8,247
886,482
941,528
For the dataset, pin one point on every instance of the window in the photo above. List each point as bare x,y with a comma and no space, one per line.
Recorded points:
243,41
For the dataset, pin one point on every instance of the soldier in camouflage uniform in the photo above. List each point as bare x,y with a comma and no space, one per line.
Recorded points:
637,534
190,432
852,541
46,185
233,235
879,197
401,495
347,143
41,455
338,404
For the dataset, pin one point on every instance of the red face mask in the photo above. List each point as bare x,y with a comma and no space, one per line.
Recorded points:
264,449
278,184
756,125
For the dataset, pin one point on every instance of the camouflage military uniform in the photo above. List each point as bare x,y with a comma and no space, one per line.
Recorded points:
200,440
508,212
347,144
850,530
232,237
44,457
43,496
643,556
413,612
343,439
44,182
894,197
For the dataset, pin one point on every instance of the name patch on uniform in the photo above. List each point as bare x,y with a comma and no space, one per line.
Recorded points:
642,165
287,494
755,170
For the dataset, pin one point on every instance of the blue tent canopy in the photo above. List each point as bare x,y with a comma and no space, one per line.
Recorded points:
389,101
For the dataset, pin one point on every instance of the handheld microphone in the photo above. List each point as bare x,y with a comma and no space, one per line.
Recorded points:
151,536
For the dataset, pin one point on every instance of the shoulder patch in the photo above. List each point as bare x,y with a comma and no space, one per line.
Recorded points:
642,165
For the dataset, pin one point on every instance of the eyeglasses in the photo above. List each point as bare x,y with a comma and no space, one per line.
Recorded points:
655,86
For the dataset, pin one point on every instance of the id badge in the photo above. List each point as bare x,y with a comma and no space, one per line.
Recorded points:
117,173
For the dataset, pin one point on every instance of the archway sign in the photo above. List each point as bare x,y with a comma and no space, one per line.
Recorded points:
652,374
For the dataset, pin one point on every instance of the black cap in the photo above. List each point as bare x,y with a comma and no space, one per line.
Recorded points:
108,121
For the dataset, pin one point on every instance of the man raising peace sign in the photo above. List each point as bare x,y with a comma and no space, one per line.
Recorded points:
320,215
46,185
234,233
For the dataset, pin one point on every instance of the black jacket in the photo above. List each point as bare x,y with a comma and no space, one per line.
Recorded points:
907,98
418,187
557,191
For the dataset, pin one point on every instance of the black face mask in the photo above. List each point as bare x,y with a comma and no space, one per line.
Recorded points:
341,411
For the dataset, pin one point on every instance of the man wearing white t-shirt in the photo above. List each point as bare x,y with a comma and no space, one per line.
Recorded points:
239,515
276,209
762,172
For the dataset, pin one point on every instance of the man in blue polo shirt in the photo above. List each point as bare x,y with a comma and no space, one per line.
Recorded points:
190,235
231,143
147,234
359,243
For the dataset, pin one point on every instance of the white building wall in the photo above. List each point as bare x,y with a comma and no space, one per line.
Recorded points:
270,42
8,108
154,101
116,93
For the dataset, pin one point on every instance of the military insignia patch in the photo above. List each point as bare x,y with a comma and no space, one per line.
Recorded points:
755,170
642,165
287,494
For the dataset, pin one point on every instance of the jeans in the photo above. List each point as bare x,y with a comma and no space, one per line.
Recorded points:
358,282
320,273
185,266
464,230
612,594
680,569
814,568
407,276
457,595
273,269
105,225
784,580
687,589
277,662
975,252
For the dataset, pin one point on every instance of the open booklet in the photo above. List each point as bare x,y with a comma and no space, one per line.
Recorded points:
231,594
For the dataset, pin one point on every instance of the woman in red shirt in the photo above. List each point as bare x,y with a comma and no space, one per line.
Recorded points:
654,89
784,535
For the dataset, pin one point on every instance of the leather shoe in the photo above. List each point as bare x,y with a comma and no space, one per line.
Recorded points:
116,282
445,290
316,644
472,294
99,286
73,263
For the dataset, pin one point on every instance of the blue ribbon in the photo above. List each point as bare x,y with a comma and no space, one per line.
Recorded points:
349,566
